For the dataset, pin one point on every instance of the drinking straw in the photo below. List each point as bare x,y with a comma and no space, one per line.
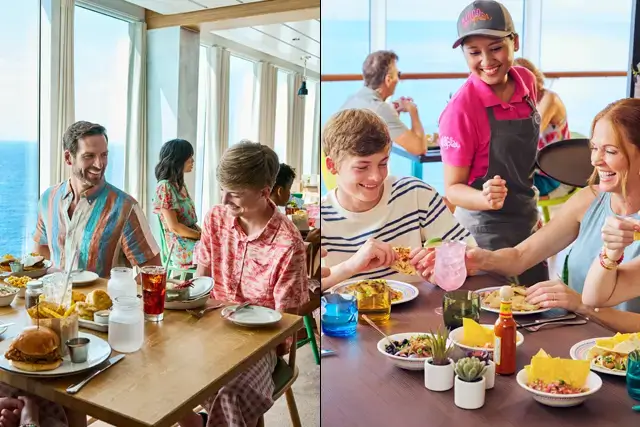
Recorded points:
68,278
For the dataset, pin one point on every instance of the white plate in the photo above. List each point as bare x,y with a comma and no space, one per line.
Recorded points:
594,383
90,324
187,305
409,292
99,351
579,352
457,334
83,277
414,364
201,286
497,310
253,315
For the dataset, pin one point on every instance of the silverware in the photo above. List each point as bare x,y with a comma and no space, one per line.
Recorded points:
73,389
567,323
235,310
374,326
200,313
326,352
569,316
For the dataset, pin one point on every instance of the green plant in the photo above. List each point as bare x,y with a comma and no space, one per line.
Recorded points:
470,369
440,347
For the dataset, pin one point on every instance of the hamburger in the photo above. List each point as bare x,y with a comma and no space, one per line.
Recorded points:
35,349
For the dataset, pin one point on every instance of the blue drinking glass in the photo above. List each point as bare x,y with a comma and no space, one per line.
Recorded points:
339,315
633,374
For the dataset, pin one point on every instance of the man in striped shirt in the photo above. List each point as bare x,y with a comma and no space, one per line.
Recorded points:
87,213
370,212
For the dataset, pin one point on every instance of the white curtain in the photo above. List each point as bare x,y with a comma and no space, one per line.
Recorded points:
315,162
267,104
136,146
217,121
295,122
61,113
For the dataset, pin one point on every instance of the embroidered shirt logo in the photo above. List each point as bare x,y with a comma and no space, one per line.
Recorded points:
447,142
474,16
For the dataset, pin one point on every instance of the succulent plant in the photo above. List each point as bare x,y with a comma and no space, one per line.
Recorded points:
440,347
470,369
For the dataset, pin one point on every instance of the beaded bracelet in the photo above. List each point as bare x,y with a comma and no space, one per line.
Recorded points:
607,262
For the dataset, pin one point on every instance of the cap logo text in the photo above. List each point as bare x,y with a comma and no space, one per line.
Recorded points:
474,16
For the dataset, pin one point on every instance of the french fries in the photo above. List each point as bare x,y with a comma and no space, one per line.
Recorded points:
49,310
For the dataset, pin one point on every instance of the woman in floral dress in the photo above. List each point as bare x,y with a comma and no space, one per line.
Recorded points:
173,203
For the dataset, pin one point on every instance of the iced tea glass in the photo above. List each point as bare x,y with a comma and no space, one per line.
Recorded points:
154,289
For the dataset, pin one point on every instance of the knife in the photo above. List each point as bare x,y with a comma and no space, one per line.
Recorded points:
549,320
73,389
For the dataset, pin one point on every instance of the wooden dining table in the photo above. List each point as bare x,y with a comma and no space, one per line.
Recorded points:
183,361
361,387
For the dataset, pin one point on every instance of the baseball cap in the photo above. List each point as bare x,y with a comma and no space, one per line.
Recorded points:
484,18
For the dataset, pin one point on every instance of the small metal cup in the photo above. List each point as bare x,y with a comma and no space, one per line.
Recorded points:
78,349
16,267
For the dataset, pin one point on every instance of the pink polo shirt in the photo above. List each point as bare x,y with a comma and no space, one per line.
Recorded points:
464,123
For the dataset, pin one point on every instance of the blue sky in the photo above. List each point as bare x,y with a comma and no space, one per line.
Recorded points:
101,60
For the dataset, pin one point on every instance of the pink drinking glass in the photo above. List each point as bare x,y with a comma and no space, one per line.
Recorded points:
450,269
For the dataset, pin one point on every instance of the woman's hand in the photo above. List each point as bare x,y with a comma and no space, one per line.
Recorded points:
10,410
617,234
373,254
30,412
555,294
495,192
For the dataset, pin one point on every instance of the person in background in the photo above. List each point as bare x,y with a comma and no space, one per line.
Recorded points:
489,135
381,76
281,193
254,254
553,127
87,213
370,211
173,204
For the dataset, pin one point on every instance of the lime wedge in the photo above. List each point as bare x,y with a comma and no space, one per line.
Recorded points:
432,243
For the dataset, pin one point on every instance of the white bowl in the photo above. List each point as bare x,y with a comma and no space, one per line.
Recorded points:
6,300
411,364
594,383
457,335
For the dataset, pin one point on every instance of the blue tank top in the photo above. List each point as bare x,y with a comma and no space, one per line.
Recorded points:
588,245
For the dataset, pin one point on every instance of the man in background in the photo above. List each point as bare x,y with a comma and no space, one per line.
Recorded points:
381,76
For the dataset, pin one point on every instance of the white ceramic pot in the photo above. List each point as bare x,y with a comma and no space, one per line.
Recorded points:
438,378
469,395
490,375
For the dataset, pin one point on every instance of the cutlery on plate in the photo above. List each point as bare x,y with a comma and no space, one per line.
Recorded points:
200,313
569,316
374,326
73,389
567,323
235,310
326,352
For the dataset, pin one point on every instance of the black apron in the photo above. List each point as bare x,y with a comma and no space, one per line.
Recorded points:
512,153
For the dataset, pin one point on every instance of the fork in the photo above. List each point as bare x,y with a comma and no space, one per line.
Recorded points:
234,311
569,322
199,314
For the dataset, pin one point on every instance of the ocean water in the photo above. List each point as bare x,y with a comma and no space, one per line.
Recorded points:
19,191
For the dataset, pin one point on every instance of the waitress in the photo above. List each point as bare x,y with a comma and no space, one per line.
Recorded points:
489,134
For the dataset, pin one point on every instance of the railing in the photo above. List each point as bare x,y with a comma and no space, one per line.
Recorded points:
435,76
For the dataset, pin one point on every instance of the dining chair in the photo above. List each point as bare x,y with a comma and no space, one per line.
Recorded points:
545,204
284,375
313,268
164,253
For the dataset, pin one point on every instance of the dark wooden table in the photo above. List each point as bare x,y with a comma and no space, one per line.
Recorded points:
360,387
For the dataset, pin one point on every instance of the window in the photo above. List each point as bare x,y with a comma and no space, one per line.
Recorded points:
202,131
585,36
311,144
345,35
101,53
242,87
282,116
422,35
19,171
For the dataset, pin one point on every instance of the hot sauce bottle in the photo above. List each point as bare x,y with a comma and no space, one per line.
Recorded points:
504,345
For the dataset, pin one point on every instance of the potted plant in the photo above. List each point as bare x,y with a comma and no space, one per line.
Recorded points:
489,373
438,369
470,383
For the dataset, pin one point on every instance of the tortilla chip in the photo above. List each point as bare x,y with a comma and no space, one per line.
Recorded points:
475,335
551,369
402,264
